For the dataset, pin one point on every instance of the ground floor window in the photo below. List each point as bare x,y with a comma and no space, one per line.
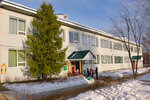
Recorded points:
118,59
16,58
126,60
97,60
106,59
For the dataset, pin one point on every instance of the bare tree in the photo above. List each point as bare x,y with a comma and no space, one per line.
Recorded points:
130,27
144,5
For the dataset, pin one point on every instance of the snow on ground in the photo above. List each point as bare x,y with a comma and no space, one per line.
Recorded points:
130,90
122,73
37,87
33,88
145,78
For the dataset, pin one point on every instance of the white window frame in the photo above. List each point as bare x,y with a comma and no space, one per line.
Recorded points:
17,59
118,61
18,26
63,36
74,41
84,39
97,59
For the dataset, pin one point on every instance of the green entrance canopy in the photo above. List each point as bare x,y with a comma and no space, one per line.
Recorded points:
136,57
79,54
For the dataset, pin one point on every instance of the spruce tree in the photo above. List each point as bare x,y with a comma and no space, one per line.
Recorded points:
45,55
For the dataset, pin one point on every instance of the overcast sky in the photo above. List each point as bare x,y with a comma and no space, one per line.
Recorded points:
93,13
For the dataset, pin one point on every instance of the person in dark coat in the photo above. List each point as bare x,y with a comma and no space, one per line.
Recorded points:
96,72
88,72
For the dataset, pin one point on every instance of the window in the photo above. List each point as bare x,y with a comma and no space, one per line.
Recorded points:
126,59
89,40
63,35
117,46
13,26
131,49
84,39
106,43
97,60
16,26
12,58
21,58
76,37
106,59
124,47
94,41
21,27
118,59
16,58
73,37
135,49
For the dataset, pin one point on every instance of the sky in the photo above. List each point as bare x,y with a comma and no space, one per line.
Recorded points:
92,13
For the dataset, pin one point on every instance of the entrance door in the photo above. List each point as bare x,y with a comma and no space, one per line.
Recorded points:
77,65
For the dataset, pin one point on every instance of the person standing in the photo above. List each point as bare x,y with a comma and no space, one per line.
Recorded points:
96,71
88,72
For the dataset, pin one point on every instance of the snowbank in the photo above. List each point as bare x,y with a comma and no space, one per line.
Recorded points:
130,90
122,73
145,78
33,88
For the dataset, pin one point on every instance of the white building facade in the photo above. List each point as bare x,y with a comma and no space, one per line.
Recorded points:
15,22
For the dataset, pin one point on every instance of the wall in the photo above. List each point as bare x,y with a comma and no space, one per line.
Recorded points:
98,50
10,41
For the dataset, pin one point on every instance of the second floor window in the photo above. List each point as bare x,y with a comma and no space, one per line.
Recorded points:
16,26
117,46
73,37
94,41
106,43
84,39
63,35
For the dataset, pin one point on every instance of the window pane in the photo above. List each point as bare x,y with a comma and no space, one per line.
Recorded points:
76,37
89,40
71,37
63,35
22,27
92,40
83,38
96,41
12,26
12,58
21,58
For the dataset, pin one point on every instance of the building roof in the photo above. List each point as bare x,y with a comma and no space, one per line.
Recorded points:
79,54
32,12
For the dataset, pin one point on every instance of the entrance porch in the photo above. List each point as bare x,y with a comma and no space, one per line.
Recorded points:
76,59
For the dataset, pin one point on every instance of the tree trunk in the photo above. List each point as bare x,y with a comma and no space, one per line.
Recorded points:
43,77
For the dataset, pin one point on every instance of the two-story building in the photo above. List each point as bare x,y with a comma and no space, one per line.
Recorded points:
87,47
